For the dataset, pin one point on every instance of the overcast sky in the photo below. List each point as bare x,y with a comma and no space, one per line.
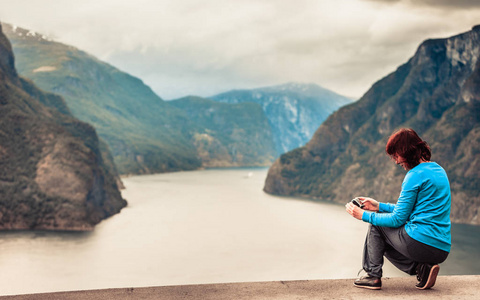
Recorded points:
190,47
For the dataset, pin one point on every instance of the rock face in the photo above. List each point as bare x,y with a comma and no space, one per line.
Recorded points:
52,174
294,110
436,93
231,135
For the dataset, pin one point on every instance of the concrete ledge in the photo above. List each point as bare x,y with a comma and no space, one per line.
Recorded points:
446,287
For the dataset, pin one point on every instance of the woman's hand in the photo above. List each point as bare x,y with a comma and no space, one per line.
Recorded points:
354,210
369,203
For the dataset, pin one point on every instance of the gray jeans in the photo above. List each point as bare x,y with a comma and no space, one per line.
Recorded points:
399,248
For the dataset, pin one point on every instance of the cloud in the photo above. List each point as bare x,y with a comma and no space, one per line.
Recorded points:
206,47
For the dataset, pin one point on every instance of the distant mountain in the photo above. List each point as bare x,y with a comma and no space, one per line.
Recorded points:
294,110
437,92
232,135
52,173
144,133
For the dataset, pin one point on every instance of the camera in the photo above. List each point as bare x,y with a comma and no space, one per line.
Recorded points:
357,202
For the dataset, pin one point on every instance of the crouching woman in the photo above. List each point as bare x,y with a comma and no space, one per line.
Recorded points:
413,234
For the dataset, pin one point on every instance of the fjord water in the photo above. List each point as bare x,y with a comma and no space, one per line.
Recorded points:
203,227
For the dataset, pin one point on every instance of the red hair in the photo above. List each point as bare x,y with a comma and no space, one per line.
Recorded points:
406,143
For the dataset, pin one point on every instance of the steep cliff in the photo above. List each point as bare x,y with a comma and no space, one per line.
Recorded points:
436,93
52,174
294,110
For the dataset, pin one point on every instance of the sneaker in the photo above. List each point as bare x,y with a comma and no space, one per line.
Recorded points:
368,282
426,276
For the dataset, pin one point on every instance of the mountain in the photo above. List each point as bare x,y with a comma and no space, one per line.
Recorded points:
52,173
144,133
436,93
294,110
232,135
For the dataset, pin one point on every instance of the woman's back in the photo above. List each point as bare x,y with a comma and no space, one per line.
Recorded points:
429,221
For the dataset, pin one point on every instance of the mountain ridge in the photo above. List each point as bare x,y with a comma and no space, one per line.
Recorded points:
294,110
144,133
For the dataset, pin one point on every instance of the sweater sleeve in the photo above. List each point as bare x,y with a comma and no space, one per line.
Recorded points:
386,207
402,210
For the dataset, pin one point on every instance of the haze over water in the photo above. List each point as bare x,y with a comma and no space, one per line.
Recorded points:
203,227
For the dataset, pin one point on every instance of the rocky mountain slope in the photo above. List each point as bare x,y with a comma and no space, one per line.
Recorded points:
294,110
436,93
52,173
233,135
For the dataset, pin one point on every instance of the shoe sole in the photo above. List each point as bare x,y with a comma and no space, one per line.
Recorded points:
432,277
368,287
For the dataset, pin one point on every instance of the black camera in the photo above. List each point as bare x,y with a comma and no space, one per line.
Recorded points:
357,202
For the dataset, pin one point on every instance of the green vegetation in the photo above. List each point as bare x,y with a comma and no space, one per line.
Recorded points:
232,134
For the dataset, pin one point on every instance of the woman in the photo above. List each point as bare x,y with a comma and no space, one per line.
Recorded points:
413,234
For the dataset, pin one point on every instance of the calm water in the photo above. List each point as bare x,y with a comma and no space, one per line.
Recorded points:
203,227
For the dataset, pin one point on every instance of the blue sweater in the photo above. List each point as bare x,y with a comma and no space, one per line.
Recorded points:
423,207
